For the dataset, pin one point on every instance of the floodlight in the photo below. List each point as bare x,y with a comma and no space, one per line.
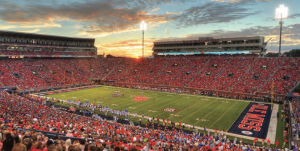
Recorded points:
281,12
143,25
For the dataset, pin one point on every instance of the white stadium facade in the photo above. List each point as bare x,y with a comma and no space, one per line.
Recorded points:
209,45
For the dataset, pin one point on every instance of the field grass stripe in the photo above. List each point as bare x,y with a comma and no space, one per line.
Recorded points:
198,110
236,118
133,102
223,114
155,104
185,108
174,102
208,113
141,103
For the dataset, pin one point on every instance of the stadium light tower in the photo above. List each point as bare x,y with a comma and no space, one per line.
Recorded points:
143,27
281,13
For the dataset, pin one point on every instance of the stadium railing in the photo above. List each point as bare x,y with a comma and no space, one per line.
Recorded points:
52,135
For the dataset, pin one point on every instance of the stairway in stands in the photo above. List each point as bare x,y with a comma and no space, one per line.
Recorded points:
111,70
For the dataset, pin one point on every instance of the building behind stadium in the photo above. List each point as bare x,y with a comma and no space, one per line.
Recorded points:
22,45
209,45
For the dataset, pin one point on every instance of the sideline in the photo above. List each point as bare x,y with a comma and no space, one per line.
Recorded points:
273,124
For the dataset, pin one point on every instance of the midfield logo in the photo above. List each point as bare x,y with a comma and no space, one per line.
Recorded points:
140,98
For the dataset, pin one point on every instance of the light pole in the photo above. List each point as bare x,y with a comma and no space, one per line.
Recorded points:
281,13
143,27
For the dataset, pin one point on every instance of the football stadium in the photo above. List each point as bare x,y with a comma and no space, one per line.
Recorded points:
208,92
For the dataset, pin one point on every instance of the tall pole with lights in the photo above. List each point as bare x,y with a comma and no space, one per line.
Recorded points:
143,27
281,13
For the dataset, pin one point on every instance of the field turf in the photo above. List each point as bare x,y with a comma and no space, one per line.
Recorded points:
196,110
212,112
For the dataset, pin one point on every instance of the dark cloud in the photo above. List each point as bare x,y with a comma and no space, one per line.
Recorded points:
212,12
103,16
97,16
293,16
291,31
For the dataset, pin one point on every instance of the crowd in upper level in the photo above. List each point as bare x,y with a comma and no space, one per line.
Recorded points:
244,74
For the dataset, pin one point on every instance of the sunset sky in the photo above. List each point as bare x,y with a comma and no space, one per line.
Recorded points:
115,23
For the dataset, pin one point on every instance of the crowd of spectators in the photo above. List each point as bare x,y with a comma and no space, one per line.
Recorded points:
211,69
138,71
189,71
295,118
260,72
232,73
242,73
285,77
8,79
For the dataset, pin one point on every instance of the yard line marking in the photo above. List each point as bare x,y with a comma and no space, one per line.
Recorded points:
208,113
223,114
185,109
154,104
237,117
204,96
196,111
173,114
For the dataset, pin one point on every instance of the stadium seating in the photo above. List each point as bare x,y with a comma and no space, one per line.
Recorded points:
285,78
137,71
261,70
245,74
209,71
189,71
232,73
240,73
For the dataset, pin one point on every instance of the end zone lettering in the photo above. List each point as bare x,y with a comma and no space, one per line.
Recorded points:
254,120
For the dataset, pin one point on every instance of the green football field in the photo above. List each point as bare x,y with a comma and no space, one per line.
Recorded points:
211,112
196,110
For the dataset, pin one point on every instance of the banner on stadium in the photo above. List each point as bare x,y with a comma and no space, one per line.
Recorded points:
198,53
254,121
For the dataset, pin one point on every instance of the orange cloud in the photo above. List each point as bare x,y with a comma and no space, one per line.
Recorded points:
127,48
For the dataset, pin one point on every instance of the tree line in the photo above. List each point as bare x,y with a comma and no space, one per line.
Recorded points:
292,53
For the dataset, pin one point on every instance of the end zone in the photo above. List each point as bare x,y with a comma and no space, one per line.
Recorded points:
254,121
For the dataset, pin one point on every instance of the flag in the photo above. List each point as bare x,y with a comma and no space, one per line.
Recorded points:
93,103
